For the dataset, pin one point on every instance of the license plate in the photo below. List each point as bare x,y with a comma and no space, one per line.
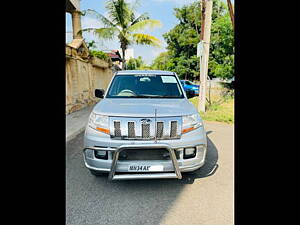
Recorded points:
145,168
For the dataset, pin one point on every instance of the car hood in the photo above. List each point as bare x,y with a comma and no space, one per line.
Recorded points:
194,86
144,107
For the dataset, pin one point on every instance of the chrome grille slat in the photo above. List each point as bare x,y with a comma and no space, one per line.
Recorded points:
117,129
131,130
145,130
173,129
159,129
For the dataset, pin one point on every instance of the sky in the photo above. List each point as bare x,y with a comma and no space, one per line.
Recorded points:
162,10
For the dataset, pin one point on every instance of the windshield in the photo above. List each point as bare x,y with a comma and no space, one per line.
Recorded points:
144,86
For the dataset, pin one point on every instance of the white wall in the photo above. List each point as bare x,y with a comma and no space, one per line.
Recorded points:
129,53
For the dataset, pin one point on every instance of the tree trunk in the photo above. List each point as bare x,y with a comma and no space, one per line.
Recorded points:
230,8
123,58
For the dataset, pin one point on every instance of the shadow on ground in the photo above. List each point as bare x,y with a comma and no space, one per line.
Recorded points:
95,200
208,169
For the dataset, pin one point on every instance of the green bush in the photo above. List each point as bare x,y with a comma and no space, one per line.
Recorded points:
100,55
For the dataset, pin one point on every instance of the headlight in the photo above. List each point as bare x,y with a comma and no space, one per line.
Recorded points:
191,122
99,122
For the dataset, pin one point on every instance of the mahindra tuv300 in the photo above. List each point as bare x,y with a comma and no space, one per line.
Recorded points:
144,128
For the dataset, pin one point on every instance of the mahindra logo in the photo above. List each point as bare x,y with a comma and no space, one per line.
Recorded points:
145,121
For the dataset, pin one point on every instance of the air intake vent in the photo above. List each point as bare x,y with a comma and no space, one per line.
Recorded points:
117,129
131,131
159,129
145,130
173,129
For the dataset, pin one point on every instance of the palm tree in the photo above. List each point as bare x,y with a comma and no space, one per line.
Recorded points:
123,23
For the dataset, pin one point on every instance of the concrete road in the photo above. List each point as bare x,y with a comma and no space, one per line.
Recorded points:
205,197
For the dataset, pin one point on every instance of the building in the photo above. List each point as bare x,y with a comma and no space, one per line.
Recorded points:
84,73
129,53
77,46
73,7
115,58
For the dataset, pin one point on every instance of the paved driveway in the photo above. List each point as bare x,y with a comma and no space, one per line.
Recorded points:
205,197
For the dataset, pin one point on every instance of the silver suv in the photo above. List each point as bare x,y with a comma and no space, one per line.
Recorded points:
144,128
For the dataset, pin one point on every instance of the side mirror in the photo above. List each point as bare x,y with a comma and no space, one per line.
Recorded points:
99,93
190,93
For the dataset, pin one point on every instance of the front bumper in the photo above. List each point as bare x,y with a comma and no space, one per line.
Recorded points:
171,168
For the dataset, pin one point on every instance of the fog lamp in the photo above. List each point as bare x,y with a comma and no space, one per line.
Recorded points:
101,154
189,153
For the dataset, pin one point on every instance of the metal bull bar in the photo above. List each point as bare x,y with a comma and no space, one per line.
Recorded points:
112,176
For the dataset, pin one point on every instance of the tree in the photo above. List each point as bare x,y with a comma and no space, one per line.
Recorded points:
123,23
182,43
230,8
221,62
162,62
135,64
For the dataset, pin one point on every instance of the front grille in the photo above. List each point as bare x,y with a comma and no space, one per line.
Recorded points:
143,154
146,154
137,129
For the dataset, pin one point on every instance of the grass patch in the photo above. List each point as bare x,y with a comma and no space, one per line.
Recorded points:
221,110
